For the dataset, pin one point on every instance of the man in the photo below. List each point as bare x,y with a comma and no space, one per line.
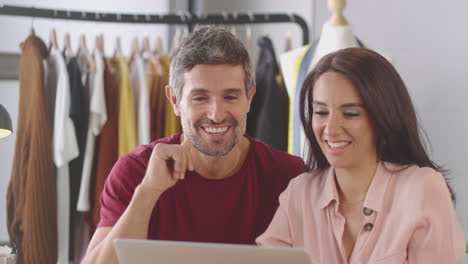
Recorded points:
211,183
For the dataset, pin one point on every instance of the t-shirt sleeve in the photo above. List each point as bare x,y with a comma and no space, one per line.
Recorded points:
438,237
278,233
299,168
120,185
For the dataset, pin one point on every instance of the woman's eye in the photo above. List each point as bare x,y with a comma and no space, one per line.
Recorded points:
320,112
351,114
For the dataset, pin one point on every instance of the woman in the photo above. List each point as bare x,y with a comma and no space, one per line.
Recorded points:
372,194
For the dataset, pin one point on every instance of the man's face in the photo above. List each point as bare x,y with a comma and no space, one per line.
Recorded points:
213,107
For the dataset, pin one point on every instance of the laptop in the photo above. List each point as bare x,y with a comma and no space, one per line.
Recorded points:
130,251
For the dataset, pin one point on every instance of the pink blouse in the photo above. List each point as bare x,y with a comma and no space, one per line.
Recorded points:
408,218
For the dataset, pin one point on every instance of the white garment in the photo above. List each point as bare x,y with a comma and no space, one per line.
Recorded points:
65,149
141,92
97,119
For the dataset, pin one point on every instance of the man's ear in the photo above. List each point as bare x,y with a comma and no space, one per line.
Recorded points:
251,94
170,95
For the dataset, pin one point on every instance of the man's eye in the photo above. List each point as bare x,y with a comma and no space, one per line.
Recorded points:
231,98
198,98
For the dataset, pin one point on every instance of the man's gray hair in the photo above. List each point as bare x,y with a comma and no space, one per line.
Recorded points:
209,45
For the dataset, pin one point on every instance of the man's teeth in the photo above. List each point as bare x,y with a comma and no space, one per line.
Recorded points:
216,130
337,145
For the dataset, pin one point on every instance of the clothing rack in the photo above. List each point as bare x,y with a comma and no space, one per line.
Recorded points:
182,18
9,62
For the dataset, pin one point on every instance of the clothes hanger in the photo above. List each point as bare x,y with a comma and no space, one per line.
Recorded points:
84,50
185,30
99,44
53,37
176,39
288,40
147,49
53,40
32,26
178,34
248,33
159,47
135,50
67,48
151,56
118,47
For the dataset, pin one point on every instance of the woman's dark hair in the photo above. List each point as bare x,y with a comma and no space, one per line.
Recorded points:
387,101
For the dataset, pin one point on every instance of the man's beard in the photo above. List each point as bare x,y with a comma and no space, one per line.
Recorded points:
192,134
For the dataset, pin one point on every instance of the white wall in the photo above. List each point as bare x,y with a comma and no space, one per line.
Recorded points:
15,29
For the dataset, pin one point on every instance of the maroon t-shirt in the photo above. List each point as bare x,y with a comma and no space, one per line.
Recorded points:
232,210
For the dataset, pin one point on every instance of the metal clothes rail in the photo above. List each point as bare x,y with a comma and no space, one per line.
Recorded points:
7,72
170,19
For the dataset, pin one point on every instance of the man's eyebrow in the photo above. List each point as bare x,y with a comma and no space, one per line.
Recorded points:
199,90
233,90
206,91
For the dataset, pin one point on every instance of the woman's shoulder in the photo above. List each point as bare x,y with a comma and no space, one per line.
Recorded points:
413,173
310,181
417,179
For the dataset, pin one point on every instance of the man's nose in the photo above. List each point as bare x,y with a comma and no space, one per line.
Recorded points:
217,111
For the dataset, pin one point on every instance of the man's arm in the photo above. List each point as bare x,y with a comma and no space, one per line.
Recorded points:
160,176
133,223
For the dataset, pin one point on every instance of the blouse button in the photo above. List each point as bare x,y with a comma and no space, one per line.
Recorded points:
367,211
368,226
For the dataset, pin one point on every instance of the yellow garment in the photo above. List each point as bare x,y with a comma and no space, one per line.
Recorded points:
171,121
297,66
127,131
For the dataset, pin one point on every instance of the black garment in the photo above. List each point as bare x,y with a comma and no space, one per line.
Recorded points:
268,116
79,113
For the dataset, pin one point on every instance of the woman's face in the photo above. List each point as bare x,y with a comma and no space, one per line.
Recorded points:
341,124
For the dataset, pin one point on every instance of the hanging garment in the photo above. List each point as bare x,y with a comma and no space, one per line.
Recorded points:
284,101
171,121
127,124
106,143
301,68
82,238
65,149
140,88
31,195
266,120
97,118
157,103
79,112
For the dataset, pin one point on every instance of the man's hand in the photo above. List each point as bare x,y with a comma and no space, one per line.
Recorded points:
167,164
